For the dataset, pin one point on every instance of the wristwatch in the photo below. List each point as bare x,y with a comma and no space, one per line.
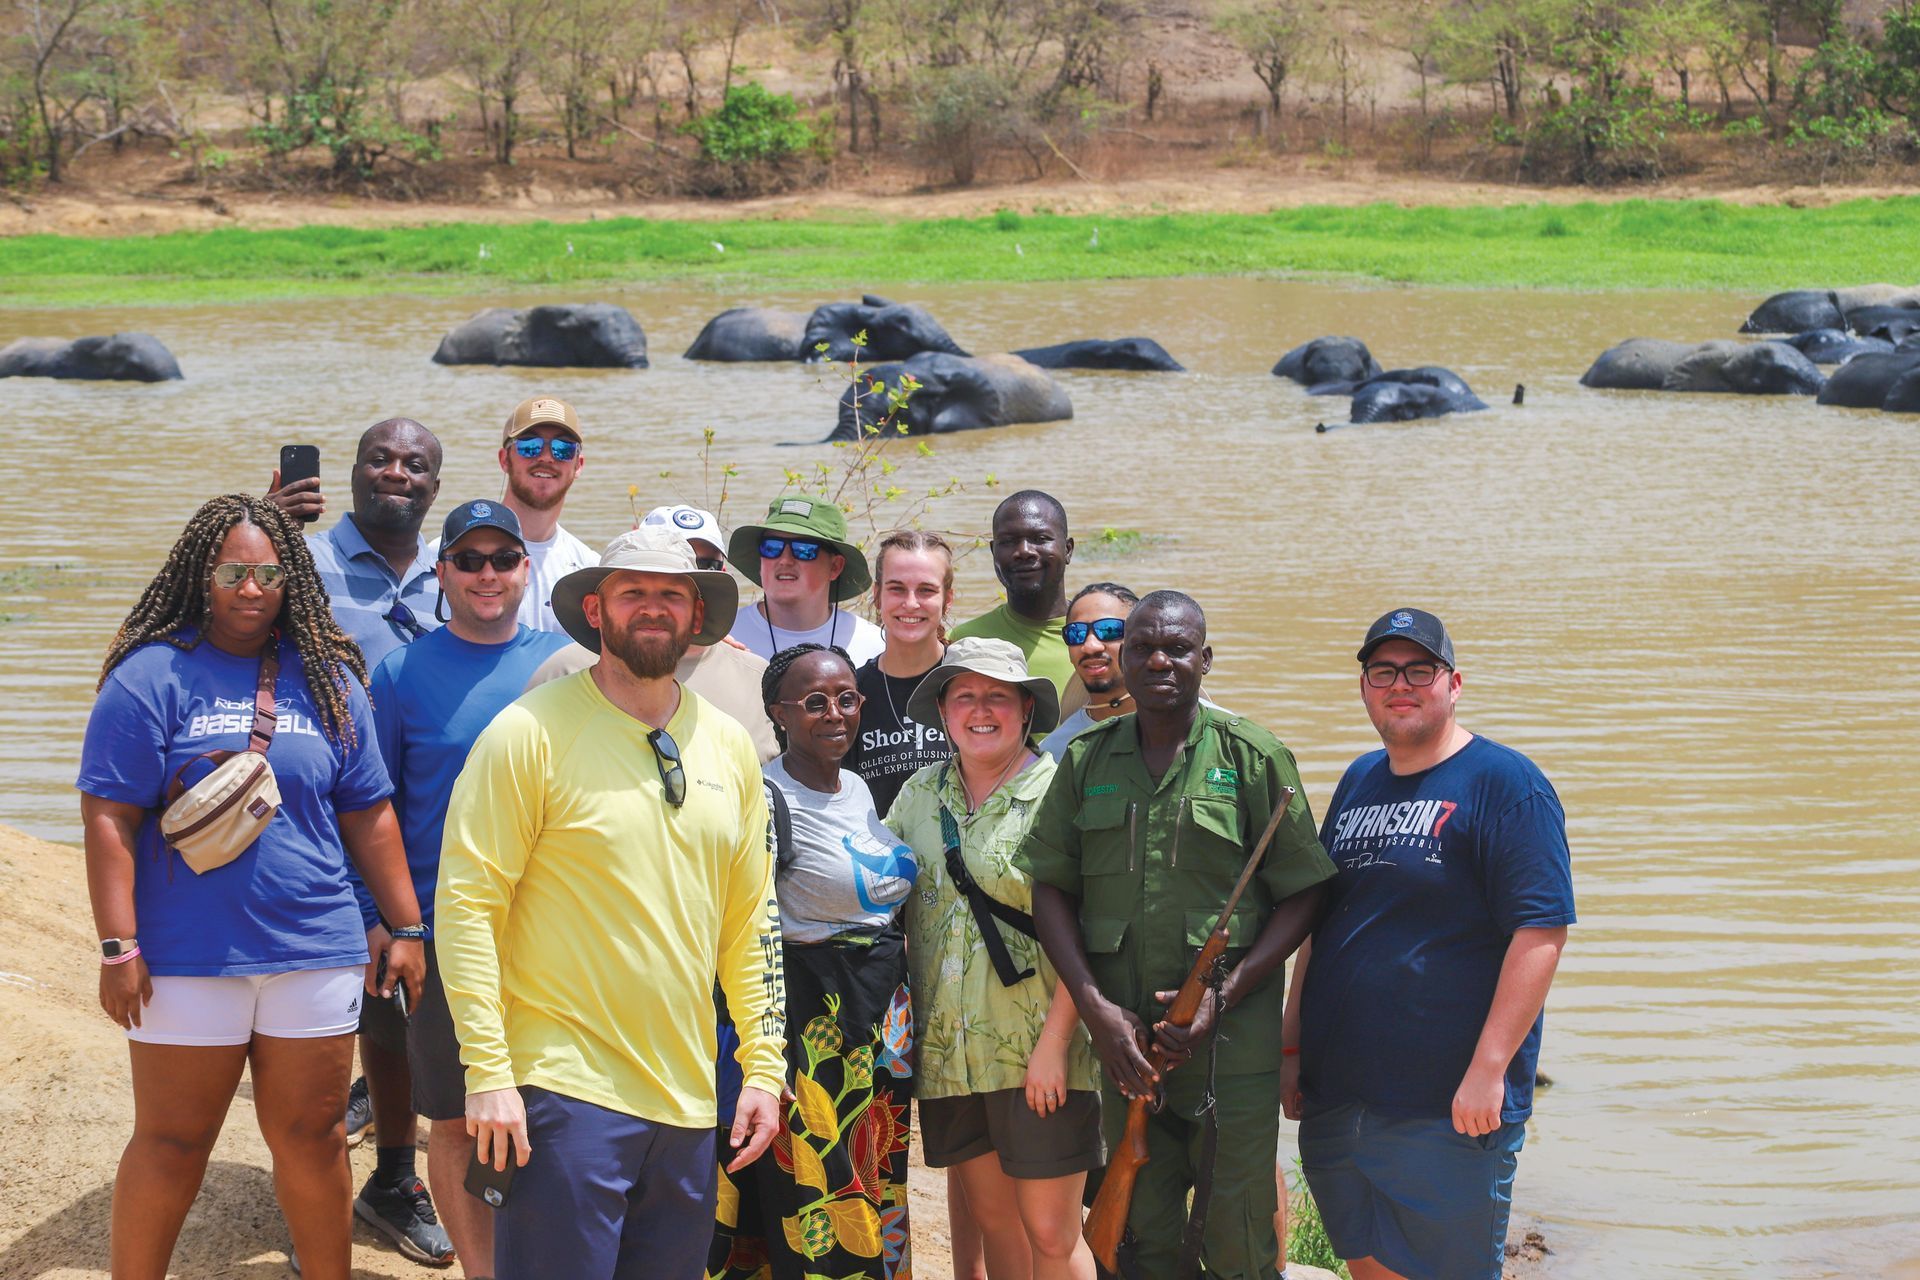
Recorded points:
410,932
113,948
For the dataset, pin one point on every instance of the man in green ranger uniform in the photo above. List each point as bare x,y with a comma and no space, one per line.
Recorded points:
1148,823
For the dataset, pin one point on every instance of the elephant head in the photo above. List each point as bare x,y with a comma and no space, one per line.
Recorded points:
895,331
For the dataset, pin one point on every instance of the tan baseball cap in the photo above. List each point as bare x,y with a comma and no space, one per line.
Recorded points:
541,411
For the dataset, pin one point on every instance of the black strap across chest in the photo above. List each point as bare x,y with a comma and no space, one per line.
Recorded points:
985,909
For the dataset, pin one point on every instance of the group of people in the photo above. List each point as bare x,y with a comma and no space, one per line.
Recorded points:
665,909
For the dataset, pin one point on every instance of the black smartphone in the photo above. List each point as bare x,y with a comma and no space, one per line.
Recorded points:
399,996
299,462
487,1184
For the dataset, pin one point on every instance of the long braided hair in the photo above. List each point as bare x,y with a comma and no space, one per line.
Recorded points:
777,668
176,601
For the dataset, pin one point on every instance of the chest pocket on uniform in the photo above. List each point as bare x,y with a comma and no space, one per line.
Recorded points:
1106,847
1211,839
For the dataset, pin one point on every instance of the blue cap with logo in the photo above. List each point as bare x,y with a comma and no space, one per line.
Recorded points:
479,514
1417,625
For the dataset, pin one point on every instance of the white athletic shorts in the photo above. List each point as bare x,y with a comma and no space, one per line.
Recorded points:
302,1005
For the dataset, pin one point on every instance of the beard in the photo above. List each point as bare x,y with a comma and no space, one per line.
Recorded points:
1107,683
650,657
524,494
392,512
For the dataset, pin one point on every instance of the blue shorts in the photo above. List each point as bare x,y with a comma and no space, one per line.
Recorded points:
1411,1194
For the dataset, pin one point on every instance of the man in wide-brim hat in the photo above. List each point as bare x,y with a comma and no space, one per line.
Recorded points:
804,564
604,863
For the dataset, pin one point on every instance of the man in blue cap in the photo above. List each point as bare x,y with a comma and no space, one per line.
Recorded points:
1413,1027
432,698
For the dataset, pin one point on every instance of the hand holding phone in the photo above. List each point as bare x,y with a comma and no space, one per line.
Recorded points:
295,488
488,1184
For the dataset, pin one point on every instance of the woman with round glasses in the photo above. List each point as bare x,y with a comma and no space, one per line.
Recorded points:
833,1199
1007,1083
257,964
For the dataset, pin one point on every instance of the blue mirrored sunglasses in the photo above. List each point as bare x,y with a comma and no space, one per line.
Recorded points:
1107,630
770,548
563,449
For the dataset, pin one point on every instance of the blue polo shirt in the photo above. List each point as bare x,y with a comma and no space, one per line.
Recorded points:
363,589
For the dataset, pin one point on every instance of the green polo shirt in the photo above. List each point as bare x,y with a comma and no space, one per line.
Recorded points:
1152,863
1042,642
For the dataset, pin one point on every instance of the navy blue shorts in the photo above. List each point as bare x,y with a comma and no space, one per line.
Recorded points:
1411,1194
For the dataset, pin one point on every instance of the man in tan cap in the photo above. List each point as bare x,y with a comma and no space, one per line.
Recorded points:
604,864
542,455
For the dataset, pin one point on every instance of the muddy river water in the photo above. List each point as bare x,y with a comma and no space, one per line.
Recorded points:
1697,613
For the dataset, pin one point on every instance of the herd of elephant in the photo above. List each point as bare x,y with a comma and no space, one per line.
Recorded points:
1872,333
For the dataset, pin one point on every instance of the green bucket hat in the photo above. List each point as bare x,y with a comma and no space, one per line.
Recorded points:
809,519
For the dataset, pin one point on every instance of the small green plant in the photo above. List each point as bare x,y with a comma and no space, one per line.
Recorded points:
752,126
1117,544
1006,220
1307,1241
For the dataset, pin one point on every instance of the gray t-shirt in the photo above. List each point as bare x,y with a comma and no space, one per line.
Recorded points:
1055,743
848,870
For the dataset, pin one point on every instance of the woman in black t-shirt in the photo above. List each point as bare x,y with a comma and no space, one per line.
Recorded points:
912,591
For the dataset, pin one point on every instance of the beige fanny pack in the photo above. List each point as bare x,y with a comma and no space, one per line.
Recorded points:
212,822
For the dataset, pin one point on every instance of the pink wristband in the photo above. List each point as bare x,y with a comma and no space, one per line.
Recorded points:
123,957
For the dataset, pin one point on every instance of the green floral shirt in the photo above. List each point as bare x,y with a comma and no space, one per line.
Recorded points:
973,1034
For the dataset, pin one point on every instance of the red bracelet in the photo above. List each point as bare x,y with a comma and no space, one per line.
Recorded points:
123,957
1289,1050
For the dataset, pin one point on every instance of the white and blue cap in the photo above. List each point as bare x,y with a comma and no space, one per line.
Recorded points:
479,514
689,523
1417,625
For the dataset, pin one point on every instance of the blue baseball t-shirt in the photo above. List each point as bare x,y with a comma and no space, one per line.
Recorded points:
284,903
431,699
1436,871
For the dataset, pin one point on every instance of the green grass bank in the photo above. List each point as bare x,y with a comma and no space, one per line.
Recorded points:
1635,244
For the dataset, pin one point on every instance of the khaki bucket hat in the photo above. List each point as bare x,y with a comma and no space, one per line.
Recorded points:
648,549
810,519
999,659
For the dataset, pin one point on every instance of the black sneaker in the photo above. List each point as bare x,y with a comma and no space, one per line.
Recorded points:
404,1215
359,1112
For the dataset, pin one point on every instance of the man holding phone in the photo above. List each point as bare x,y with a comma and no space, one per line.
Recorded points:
431,700
379,577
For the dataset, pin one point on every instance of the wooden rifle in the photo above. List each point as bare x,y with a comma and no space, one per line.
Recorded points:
1107,1220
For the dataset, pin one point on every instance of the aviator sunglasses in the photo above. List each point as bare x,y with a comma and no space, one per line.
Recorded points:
563,449
1106,630
229,574
504,561
770,548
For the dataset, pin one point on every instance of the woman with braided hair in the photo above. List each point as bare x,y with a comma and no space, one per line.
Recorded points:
832,1199
258,962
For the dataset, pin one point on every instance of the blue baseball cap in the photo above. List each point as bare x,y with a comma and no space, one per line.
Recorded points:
1416,625
479,514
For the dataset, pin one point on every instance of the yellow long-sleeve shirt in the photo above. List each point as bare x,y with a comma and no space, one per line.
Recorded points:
581,920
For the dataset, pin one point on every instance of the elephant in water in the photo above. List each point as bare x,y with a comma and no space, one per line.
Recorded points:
590,335
956,393
119,357
1893,323
1748,368
751,333
1799,310
1331,359
1866,382
1836,346
895,331
1401,395
1104,353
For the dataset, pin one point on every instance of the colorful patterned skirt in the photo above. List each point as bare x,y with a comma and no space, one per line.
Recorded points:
830,1197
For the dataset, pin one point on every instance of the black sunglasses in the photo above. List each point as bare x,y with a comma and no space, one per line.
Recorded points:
673,776
505,561
402,617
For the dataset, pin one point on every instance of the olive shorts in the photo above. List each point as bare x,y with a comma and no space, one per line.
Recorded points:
1239,1243
955,1130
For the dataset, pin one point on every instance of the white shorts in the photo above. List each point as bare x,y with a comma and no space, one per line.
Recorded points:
302,1005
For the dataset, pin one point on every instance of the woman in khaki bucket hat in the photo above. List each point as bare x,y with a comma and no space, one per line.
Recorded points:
1008,1085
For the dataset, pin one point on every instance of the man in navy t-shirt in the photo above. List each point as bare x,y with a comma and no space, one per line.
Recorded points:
431,699
1414,1025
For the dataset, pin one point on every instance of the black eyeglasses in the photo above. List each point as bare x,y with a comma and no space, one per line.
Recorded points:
1381,675
402,617
473,561
816,703
563,449
770,548
673,776
1104,629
